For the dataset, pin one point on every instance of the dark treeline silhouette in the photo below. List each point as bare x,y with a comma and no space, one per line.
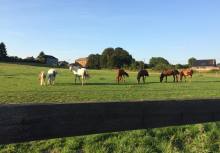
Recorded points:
118,57
114,58
108,59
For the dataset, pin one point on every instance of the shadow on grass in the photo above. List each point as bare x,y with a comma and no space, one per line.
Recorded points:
146,83
91,84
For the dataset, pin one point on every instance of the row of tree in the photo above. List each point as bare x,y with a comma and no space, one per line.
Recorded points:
118,57
110,58
4,56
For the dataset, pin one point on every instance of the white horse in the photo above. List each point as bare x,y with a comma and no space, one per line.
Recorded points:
79,73
51,74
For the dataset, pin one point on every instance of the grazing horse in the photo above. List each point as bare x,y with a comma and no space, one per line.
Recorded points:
79,73
142,73
121,75
51,76
186,72
42,77
166,73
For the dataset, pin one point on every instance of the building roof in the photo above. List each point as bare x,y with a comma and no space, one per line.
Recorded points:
81,59
49,56
206,62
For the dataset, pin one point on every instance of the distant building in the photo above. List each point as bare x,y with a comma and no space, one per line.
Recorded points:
205,65
82,61
63,64
74,64
50,60
29,59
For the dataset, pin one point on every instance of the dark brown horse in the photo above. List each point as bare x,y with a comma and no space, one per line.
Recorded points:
166,73
186,72
142,73
121,75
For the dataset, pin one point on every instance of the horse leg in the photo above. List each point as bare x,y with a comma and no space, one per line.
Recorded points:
82,80
138,80
143,79
49,80
166,78
41,81
177,78
75,78
85,79
117,79
45,82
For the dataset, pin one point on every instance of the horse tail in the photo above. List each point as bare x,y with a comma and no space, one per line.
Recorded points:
85,74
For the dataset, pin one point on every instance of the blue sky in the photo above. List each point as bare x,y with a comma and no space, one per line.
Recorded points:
68,29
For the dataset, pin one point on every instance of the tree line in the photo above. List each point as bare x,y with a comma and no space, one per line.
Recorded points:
118,58
109,58
40,59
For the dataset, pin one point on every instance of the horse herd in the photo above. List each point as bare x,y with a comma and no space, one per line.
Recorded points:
170,72
82,74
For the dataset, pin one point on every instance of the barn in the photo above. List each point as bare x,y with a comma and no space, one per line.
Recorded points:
50,60
82,61
205,65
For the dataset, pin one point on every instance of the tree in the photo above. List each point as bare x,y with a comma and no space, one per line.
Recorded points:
181,66
106,57
41,57
154,61
191,61
3,51
117,57
162,66
137,65
94,61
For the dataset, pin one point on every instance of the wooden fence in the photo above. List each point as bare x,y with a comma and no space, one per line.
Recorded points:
21,123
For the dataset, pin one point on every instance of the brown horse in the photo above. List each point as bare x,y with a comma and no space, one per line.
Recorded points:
186,72
166,73
121,75
142,73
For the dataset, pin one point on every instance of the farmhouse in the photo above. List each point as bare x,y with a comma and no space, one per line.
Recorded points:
205,65
63,63
50,60
82,61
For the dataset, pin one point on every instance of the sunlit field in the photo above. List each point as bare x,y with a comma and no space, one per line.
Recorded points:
20,84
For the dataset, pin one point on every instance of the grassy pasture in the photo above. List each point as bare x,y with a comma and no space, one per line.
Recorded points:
19,84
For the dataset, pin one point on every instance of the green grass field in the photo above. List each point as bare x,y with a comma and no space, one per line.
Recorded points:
19,84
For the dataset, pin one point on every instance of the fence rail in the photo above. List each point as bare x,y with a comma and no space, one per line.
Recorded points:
22,123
